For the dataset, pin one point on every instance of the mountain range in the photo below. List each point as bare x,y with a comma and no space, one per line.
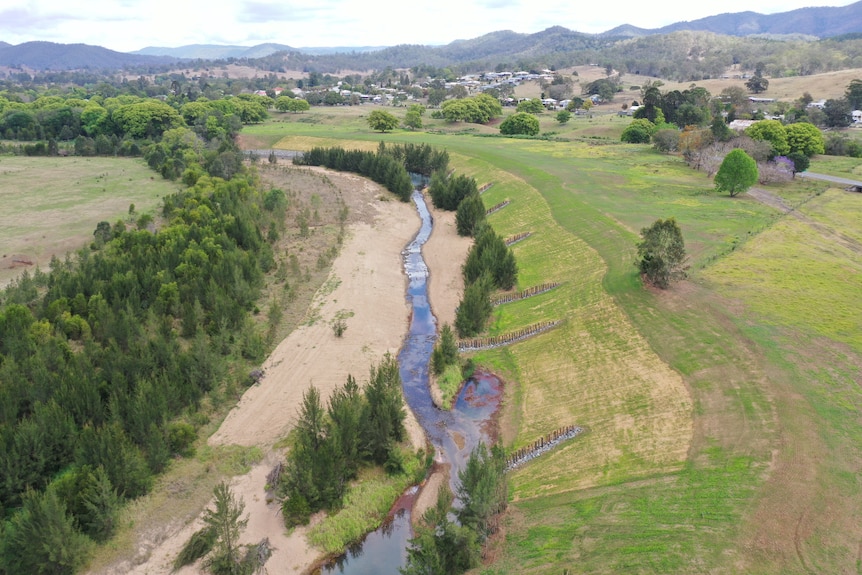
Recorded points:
220,52
821,22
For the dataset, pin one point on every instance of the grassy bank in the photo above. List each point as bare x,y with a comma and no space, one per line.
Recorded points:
723,419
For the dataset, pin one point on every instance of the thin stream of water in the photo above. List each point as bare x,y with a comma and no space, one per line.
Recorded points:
385,550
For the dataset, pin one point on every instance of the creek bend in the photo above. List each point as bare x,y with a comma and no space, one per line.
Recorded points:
453,434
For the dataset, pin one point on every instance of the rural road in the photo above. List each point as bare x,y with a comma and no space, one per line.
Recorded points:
833,179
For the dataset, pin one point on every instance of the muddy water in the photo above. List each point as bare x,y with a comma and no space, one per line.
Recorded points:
454,434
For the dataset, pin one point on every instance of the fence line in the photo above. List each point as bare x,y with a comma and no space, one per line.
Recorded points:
517,238
498,207
479,343
529,292
485,187
541,446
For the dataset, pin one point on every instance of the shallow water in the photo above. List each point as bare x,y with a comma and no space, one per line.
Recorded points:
470,421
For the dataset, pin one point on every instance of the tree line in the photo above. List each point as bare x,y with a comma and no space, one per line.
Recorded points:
125,117
490,265
105,358
682,56
389,166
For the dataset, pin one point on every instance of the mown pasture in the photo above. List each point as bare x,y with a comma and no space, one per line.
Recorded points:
723,414
52,205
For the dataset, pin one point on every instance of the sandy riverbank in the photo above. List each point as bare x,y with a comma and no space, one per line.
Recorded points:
368,280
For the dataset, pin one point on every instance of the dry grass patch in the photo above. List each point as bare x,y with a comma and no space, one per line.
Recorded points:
52,205
820,86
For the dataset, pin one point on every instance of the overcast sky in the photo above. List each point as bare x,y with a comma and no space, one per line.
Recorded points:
127,25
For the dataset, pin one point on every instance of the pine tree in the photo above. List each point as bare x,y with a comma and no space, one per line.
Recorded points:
441,546
227,522
345,411
102,506
446,351
384,421
470,215
483,490
438,189
475,307
315,476
41,539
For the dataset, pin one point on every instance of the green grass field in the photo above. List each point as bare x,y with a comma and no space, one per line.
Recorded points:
52,205
723,415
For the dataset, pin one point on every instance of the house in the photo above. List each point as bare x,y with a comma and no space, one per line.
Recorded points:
741,125
856,116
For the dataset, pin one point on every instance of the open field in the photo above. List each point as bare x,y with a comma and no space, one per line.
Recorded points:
52,205
805,271
723,423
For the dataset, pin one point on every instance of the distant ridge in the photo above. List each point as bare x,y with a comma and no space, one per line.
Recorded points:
822,22
219,52
215,51
53,56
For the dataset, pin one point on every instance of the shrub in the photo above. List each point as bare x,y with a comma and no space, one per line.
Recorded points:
800,161
666,140
520,123
533,106
638,132
198,545
296,510
181,436
662,252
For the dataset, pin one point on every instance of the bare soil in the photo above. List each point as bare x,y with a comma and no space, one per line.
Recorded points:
444,253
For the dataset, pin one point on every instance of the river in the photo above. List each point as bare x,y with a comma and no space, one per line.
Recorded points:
454,434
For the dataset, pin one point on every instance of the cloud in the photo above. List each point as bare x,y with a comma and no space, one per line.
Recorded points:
500,4
17,19
265,13
132,24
